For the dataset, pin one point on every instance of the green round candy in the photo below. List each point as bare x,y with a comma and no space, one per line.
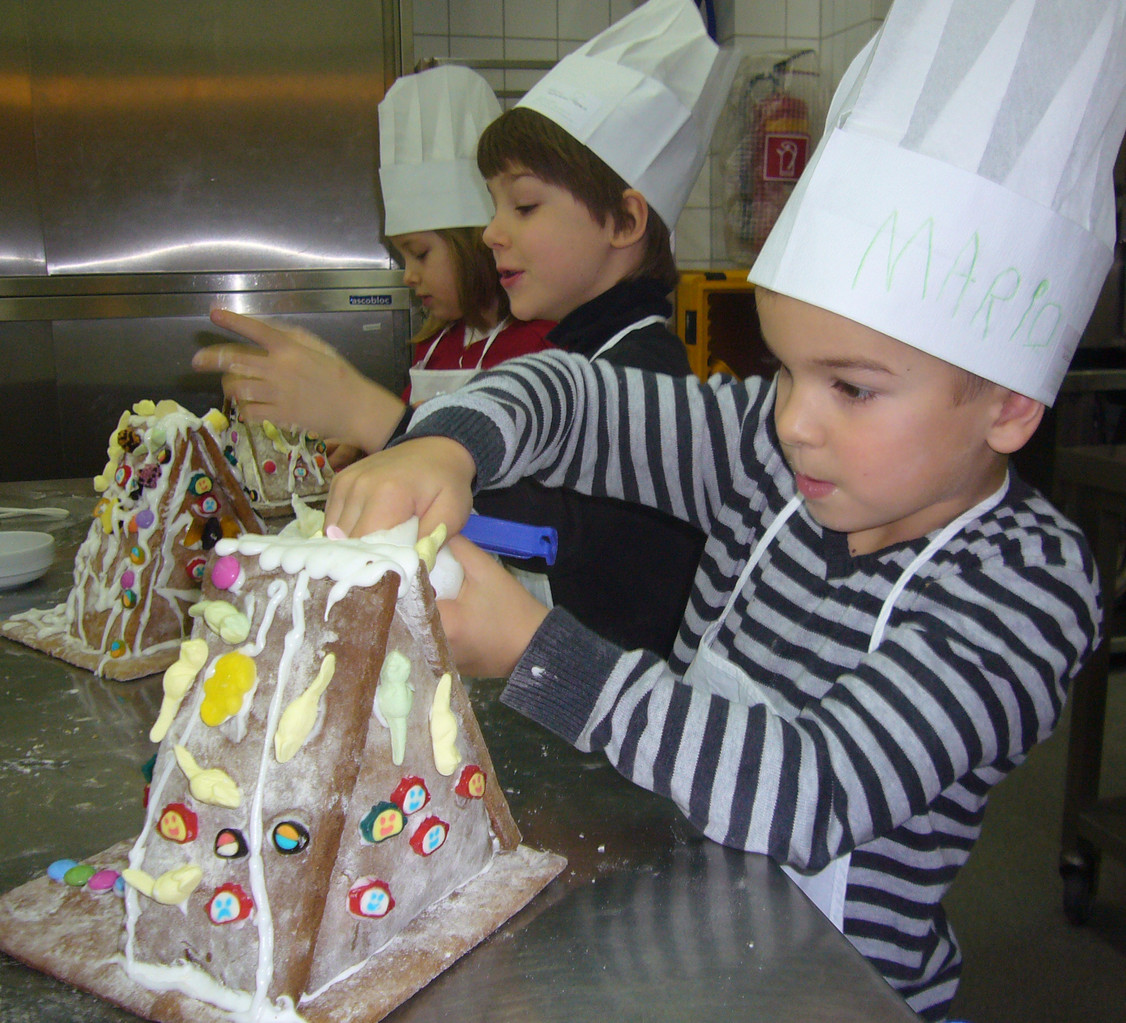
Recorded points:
78,875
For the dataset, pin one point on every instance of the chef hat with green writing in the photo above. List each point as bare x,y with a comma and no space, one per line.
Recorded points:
644,96
961,199
429,124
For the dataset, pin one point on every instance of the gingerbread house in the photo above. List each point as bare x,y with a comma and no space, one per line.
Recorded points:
167,495
275,463
321,782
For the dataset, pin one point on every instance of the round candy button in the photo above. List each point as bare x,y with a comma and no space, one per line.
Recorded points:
225,572
79,874
103,881
57,870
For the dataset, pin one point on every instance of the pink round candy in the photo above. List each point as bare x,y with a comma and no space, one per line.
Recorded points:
127,580
225,572
103,881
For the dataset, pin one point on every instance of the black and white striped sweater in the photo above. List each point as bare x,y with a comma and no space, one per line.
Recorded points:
888,755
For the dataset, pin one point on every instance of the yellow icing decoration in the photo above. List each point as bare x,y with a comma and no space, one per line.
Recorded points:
281,445
178,680
106,514
171,888
233,676
145,407
309,522
443,728
212,786
395,695
427,547
216,420
298,718
167,407
222,618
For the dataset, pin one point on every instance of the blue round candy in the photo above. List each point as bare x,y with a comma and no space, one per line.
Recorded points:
57,870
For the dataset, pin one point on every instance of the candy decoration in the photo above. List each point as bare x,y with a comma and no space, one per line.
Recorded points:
193,534
128,578
223,618
269,466
443,728
225,572
430,836
149,475
471,784
411,795
128,598
103,881
381,822
233,676
200,484
205,506
195,568
79,874
395,695
145,518
300,716
299,471
212,785
290,837
117,648
57,870
178,823
157,437
178,679
136,555
230,844
121,477
212,534
128,439
171,888
229,904
230,526
164,455
370,898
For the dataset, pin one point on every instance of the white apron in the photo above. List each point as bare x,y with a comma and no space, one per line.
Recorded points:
712,672
430,383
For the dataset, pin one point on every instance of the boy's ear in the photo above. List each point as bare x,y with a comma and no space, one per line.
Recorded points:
637,210
1015,422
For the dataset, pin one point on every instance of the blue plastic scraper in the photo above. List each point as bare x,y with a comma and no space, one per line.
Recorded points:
514,539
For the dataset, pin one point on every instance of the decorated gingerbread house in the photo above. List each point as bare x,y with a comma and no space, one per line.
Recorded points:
321,782
275,463
167,495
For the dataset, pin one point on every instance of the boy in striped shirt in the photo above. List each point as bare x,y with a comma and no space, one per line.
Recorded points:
885,619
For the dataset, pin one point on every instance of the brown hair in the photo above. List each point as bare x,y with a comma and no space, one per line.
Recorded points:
525,139
478,286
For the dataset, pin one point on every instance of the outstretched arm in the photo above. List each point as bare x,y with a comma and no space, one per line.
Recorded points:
293,378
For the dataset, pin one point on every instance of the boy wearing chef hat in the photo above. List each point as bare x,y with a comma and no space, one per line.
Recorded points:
589,173
886,619
435,208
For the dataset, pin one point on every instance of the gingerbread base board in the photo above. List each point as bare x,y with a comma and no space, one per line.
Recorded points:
73,935
63,646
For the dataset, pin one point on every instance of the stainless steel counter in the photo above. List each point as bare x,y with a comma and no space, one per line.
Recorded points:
647,922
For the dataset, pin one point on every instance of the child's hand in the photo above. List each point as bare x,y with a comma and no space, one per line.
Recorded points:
341,454
493,619
294,379
431,477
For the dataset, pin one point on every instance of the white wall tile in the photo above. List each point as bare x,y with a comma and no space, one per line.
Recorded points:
693,238
531,19
758,18
803,19
431,17
476,18
521,81
583,19
431,46
477,47
531,49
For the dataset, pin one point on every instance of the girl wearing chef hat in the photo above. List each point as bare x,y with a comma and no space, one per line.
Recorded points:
886,619
436,206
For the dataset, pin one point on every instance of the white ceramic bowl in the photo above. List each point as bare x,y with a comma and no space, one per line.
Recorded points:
24,556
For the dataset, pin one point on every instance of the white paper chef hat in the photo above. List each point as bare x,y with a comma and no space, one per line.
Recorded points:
644,95
961,199
429,124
